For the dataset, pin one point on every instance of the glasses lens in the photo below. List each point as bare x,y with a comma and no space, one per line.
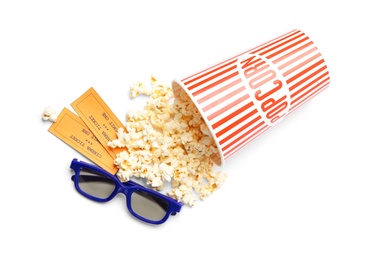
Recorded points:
96,185
149,206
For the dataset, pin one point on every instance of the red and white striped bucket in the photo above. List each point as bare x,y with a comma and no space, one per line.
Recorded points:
242,97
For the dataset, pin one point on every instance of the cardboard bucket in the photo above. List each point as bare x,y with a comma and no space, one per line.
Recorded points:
245,95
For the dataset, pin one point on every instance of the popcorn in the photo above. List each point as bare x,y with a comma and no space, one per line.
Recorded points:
156,182
138,89
49,114
168,142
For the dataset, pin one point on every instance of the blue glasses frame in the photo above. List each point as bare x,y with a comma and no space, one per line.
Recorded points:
170,205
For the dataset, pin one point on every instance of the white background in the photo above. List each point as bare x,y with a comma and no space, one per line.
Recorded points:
300,191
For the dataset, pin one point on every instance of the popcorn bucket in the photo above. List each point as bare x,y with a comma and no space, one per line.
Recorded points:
243,96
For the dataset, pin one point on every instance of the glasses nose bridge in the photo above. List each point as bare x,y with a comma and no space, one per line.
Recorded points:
124,190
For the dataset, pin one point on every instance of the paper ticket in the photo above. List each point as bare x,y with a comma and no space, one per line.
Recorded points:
97,115
73,131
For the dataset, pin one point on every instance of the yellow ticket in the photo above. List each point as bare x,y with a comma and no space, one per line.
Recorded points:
97,115
73,131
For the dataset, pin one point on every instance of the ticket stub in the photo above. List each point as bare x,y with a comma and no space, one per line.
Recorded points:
73,131
99,118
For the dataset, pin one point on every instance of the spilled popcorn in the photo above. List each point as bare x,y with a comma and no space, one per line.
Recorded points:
49,114
168,141
139,88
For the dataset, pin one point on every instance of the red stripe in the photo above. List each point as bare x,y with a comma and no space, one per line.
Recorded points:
283,43
245,142
210,72
308,85
273,43
248,139
221,90
287,47
306,78
292,53
221,80
297,58
304,63
224,109
320,83
294,108
223,99
237,112
304,72
227,129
